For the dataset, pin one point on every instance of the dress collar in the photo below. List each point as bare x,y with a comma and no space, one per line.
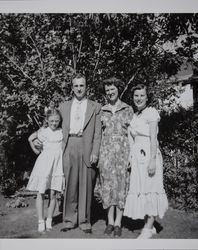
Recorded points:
140,112
120,105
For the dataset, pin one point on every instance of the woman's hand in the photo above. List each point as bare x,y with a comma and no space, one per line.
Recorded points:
129,163
152,167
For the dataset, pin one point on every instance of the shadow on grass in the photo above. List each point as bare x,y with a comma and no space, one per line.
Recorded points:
132,225
58,219
25,237
98,213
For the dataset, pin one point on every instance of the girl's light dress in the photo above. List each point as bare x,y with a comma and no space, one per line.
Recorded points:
146,194
48,169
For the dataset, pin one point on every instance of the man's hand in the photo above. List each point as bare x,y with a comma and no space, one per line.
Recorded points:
93,159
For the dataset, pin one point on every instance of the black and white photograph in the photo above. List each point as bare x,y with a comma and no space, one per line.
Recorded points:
99,126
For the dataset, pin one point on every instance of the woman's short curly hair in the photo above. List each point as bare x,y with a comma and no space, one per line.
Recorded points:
119,84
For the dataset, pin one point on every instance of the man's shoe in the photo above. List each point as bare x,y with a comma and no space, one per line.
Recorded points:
117,231
66,229
109,229
87,231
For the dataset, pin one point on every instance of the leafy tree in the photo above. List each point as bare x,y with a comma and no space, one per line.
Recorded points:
40,53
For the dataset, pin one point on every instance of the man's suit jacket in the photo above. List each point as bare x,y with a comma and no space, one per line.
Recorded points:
91,131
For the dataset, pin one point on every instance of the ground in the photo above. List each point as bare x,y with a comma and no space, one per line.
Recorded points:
21,223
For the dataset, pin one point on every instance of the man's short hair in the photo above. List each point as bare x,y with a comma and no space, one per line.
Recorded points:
78,76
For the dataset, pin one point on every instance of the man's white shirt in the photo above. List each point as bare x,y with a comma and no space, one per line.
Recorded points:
77,116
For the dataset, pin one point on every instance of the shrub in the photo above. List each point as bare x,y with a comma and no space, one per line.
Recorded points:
8,179
177,132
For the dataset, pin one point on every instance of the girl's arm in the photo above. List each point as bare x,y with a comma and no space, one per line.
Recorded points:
31,138
153,148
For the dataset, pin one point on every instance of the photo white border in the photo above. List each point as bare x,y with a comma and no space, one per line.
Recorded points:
97,244
98,6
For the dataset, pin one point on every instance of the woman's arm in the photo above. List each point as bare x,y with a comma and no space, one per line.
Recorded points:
131,142
130,137
153,147
31,138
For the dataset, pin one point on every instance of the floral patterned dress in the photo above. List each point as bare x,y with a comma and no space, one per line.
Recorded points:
112,184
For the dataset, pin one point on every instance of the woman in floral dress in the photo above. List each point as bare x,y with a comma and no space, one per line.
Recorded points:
114,153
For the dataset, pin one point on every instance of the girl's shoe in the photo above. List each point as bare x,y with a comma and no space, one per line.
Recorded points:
49,224
145,234
41,226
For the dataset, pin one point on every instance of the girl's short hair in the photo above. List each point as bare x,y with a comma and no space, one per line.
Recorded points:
119,84
51,112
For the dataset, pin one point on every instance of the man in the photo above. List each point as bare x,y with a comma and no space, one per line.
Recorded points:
82,135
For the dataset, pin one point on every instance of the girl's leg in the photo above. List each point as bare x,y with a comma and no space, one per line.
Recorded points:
52,203
40,206
40,212
51,208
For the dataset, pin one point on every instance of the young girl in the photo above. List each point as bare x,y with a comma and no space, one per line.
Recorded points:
48,171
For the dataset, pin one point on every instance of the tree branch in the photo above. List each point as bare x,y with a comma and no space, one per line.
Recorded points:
127,85
11,80
98,58
40,59
17,67
80,48
74,58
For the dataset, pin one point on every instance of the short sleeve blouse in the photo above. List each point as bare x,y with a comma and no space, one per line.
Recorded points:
140,122
151,115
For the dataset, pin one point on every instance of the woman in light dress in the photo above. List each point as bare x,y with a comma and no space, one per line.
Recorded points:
47,173
146,198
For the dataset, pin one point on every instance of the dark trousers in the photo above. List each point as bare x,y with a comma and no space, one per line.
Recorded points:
79,186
